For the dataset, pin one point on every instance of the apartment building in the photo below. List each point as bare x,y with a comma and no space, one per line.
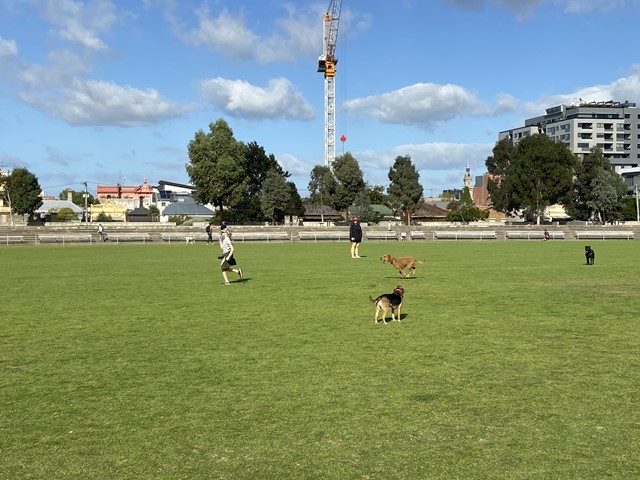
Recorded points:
614,127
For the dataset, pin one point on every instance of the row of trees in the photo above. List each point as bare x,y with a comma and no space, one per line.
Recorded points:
246,184
538,172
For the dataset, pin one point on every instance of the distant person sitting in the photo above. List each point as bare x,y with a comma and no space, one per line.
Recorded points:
546,235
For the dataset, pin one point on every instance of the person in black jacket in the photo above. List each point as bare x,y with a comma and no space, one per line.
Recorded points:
355,233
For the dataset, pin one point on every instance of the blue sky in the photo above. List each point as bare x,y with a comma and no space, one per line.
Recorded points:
109,91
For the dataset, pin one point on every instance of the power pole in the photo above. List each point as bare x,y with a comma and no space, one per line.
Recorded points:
86,196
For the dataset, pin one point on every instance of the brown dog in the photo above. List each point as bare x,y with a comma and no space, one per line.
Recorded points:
400,263
388,301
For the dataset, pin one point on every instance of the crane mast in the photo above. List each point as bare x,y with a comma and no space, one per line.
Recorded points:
327,65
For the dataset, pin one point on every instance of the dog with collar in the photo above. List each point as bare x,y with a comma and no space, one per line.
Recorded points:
388,301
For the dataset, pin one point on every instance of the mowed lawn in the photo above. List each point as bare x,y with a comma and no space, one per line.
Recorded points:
513,360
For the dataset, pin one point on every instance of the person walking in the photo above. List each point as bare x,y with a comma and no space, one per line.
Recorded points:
101,232
227,259
355,233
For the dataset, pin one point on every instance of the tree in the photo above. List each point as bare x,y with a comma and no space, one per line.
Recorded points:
607,191
363,210
154,212
65,214
22,192
258,164
464,210
597,191
405,189
377,195
217,166
77,198
536,174
275,195
294,205
498,183
349,182
322,186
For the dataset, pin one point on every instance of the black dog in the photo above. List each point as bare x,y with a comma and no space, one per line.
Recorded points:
590,255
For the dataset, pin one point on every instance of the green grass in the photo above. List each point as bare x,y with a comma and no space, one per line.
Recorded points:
514,360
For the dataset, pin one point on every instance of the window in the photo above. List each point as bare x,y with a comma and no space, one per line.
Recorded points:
583,146
619,126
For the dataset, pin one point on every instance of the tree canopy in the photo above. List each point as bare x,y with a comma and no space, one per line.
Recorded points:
275,195
405,190
530,177
464,210
22,191
349,182
258,164
78,198
322,186
598,191
218,167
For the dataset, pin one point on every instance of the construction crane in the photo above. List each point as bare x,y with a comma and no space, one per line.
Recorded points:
327,65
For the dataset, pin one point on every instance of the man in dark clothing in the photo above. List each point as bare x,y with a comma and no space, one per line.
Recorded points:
355,233
209,233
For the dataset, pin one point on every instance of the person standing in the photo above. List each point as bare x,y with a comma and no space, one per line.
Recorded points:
355,233
228,261
209,231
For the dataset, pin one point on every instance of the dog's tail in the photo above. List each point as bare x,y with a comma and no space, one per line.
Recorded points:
373,300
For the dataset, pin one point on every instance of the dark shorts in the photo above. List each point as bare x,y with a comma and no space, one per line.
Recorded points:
227,264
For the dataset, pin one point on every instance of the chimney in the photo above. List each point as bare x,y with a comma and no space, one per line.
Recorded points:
70,195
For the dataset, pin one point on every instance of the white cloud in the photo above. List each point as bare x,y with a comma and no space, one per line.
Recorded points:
295,35
421,104
620,90
523,9
82,22
238,98
90,102
8,50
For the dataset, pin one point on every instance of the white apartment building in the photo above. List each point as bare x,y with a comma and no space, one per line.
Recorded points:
613,127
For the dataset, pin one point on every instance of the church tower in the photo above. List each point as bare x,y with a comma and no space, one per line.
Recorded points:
467,180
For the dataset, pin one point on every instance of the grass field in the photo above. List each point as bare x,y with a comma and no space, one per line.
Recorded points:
514,360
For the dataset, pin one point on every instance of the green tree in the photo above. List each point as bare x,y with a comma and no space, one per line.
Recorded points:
77,198
22,192
275,195
363,210
377,195
154,212
629,211
65,214
217,166
538,174
607,191
597,191
294,205
405,189
258,164
498,184
322,186
464,210
349,182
